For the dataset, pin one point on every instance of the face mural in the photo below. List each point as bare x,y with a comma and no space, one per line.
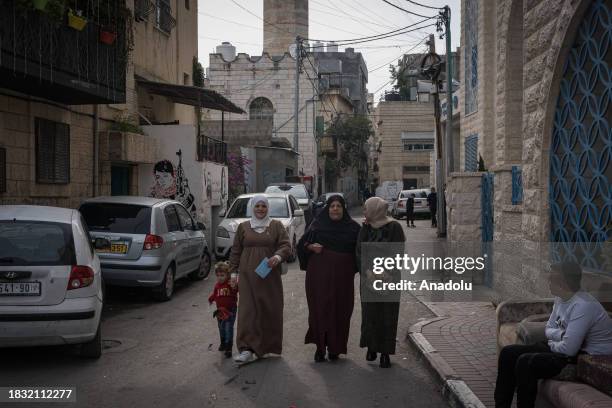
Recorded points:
172,183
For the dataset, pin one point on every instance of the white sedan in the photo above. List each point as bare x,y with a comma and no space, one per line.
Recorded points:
50,281
283,207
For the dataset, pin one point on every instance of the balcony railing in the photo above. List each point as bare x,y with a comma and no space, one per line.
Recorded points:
41,55
328,145
213,150
517,185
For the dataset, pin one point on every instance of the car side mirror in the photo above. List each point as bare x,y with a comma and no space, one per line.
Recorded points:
298,213
102,243
201,226
222,214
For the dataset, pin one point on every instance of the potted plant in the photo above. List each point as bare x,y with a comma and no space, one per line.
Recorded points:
107,35
76,20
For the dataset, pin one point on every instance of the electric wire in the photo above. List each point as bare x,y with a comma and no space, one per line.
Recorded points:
399,56
380,38
424,5
403,9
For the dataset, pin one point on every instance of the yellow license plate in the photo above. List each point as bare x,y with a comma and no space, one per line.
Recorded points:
118,249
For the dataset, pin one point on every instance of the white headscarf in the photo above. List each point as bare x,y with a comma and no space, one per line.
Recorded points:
259,224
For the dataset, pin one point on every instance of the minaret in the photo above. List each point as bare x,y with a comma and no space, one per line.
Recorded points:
283,21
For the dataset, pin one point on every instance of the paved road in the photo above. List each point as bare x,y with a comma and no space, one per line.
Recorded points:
164,355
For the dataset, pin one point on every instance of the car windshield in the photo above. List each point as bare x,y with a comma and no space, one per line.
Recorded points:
241,209
417,193
117,218
298,191
32,243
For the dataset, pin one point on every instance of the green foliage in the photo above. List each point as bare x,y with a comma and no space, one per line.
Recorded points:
351,134
198,73
55,10
123,123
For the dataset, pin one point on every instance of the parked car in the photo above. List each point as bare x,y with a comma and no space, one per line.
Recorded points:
51,290
420,202
319,203
299,191
153,242
283,207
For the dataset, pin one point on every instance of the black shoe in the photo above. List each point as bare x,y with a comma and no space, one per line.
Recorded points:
319,356
332,356
385,361
228,353
222,347
371,355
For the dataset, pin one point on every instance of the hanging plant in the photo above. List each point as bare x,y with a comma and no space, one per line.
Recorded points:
76,20
107,36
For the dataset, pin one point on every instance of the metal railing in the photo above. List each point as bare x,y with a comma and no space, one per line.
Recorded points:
213,150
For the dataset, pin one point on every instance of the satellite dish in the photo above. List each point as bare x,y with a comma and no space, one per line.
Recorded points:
293,50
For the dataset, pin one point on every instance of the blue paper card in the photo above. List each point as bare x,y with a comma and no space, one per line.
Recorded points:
263,269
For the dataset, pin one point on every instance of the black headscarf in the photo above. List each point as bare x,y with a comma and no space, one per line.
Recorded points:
338,236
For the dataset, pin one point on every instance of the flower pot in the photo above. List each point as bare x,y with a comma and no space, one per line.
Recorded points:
40,4
107,37
76,22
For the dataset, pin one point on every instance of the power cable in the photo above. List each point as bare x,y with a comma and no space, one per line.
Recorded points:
313,83
361,21
394,59
403,9
424,5
387,36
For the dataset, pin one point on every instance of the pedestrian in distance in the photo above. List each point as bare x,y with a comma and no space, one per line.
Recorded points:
260,315
326,252
578,324
432,202
410,211
225,296
378,318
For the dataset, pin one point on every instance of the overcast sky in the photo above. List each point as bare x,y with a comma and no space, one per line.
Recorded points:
224,20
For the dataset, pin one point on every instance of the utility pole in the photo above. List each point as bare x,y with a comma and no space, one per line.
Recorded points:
449,94
298,56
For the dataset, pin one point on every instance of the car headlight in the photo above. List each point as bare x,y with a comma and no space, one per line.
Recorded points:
222,233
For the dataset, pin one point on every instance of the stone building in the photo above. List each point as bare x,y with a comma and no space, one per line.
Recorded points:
535,106
69,129
405,138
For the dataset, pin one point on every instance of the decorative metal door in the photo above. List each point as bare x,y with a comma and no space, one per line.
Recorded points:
486,203
581,146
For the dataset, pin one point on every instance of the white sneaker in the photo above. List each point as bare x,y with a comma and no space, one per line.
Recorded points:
244,357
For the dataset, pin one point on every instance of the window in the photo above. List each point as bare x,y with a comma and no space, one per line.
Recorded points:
172,221
184,219
416,169
163,16
52,152
186,79
471,153
187,4
36,243
262,109
2,170
242,209
411,145
471,56
117,218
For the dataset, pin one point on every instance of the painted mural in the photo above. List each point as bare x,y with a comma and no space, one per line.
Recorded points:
170,181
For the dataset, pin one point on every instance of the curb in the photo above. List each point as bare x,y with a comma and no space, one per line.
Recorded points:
454,389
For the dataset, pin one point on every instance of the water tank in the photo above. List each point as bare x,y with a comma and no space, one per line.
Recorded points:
332,47
227,50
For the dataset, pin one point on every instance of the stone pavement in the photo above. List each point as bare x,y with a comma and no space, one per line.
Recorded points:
462,346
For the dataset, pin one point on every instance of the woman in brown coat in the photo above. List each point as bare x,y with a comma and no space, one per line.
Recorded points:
260,307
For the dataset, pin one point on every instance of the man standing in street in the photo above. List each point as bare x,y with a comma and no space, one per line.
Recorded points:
432,202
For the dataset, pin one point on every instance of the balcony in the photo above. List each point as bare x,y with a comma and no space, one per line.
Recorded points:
212,150
327,145
129,147
41,55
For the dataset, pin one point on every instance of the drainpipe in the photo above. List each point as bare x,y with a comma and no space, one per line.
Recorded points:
96,152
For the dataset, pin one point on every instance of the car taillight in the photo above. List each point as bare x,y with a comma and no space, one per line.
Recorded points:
80,276
400,204
153,242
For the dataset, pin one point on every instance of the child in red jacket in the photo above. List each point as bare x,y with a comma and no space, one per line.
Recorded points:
226,297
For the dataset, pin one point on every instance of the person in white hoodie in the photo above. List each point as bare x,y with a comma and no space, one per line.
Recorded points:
578,324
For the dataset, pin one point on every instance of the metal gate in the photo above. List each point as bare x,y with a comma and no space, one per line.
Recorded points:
486,203
580,190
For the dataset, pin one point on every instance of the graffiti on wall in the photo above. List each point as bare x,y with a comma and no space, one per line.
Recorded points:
170,181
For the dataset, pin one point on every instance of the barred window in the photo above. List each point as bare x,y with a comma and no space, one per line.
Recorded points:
52,152
411,145
471,153
163,16
2,170
261,108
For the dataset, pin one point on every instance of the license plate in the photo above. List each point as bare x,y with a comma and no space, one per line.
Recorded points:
115,248
20,289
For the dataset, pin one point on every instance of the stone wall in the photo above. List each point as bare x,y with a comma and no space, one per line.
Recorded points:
463,207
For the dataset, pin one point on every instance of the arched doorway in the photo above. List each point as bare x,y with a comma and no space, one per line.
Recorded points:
580,191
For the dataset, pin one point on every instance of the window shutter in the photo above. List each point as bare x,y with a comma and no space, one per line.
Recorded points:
52,152
62,153
471,153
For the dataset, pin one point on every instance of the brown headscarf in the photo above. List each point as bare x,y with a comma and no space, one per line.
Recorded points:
376,212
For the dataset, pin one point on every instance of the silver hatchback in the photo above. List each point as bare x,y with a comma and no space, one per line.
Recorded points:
153,242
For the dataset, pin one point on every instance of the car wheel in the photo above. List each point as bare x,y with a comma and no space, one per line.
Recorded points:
165,289
93,348
203,269
293,255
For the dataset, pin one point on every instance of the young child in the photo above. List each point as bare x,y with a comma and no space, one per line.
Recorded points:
226,297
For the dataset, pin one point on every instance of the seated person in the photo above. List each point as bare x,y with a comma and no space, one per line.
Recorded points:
578,324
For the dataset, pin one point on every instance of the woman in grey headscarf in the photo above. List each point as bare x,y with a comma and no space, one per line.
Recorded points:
260,309
378,316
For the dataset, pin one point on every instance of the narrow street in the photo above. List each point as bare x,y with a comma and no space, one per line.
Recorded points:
165,355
